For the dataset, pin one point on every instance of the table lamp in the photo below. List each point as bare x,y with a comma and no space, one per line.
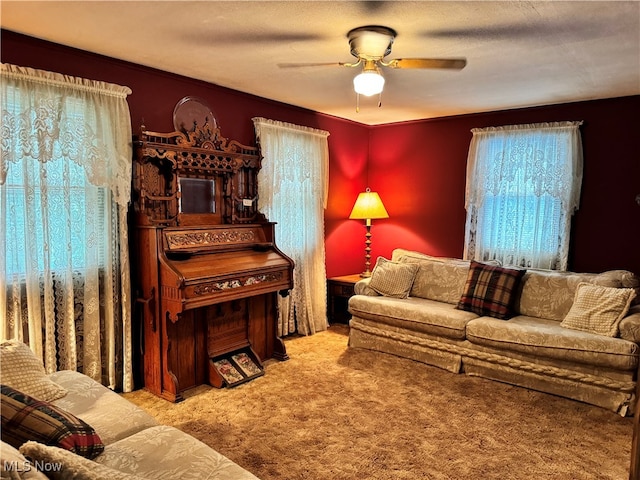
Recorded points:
367,207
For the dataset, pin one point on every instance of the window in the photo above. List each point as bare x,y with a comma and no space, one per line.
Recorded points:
49,207
65,243
65,181
523,185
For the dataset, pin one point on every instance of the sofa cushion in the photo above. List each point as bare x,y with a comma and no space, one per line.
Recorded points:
598,309
25,418
546,338
22,370
558,290
438,278
490,290
623,279
416,314
392,279
630,325
399,253
65,465
441,280
362,287
165,452
108,413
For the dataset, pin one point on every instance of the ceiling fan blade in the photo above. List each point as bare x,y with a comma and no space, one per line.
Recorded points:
253,38
453,63
312,64
511,31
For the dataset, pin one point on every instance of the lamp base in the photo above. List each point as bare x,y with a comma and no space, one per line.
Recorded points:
367,251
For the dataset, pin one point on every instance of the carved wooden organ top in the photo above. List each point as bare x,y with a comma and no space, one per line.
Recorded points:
171,167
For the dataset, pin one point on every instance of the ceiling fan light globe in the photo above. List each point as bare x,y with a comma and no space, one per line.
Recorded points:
368,83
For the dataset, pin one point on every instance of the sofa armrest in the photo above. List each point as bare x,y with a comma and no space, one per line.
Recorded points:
362,288
630,325
111,415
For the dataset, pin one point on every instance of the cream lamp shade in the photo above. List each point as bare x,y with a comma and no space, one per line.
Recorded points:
367,207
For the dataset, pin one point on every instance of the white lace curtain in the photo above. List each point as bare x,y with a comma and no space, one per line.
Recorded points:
292,187
65,176
523,186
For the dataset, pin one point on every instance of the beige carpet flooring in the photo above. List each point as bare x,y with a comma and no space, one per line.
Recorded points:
335,413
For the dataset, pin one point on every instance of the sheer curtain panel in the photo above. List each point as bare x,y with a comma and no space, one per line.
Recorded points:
65,181
292,187
523,186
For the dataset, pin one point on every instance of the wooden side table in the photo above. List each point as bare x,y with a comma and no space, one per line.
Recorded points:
339,290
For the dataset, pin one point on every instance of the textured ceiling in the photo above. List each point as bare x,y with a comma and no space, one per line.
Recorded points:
519,53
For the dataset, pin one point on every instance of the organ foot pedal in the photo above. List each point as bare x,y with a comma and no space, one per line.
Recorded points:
235,368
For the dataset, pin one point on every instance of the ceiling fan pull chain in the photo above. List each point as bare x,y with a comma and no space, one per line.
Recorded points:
357,102
380,100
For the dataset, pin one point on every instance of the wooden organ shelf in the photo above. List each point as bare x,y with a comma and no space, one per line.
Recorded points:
205,265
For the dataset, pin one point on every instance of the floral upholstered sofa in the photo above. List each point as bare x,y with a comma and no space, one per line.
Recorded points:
571,334
68,426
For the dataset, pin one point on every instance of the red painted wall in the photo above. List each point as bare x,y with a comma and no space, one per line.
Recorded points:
155,94
419,170
417,167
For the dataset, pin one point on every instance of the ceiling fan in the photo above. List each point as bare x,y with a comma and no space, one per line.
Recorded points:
370,45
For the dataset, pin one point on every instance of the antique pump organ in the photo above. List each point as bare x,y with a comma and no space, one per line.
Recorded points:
206,268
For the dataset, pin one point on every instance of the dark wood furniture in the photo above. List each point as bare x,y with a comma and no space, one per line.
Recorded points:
339,290
205,265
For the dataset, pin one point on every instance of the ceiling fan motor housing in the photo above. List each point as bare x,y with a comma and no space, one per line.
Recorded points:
371,42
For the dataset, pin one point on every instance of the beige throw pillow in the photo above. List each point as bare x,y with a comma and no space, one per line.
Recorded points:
393,279
598,309
23,371
14,465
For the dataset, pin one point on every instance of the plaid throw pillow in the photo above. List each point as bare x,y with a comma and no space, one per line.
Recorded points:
25,418
490,290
